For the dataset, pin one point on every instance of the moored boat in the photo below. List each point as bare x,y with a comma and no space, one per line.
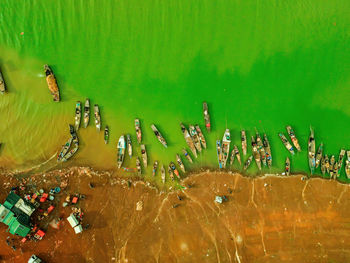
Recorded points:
248,162
129,145
106,135
286,143
318,155
237,154
86,113
75,143
121,151
267,151
287,167
195,137
138,166
159,136
347,164
171,173
326,163
292,136
97,117
162,172
335,171
311,151
225,149
261,148
144,154
340,160
180,163
187,155
64,149
201,136
218,152
206,116
2,84
52,83
173,167
155,167
244,142
331,166
256,154
323,165
232,158
138,130
77,115
188,140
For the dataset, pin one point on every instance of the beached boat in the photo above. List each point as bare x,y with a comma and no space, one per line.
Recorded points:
225,149
237,154
331,166
261,148
121,151
159,136
292,136
75,143
340,160
311,151
187,155
86,113
267,151
232,158
218,152
286,143
155,167
201,136
188,140
335,171
318,155
144,154
106,135
326,163
97,117
287,167
195,137
2,84
171,173
244,142
77,115
138,130
162,173
256,154
129,145
52,83
64,149
180,163
206,116
173,167
323,165
248,162
347,165
138,166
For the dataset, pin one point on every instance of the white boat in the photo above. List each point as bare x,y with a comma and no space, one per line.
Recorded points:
225,149
121,151
77,115
244,142
129,145
162,171
138,130
86,113
97,117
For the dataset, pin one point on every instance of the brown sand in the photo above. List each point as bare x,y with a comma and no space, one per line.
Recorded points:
266,219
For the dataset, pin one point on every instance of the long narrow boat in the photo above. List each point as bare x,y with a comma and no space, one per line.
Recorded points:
225,149
155,167
261,148
244,142
292,136
2,84
311,151
318,155
52,83
97,117
188,140
77,115
64,149
347,165
232,158
106,135
340,159
171,173
267,151
159,136
323,165
138,166
180,163
86,113
138,130
326,163
335,171
218,152
237,154
256,154
248,162
201,136
187,155
162,172
206,116
121,151
286,143
144,154
287,167
195,137
73,150
129,145
173,167
331,166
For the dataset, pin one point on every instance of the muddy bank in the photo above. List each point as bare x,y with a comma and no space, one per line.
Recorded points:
266,219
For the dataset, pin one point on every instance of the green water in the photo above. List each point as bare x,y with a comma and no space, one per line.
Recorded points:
262,64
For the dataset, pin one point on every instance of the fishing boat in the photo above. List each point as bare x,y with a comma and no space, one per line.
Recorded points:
206,116
180,163
287,167
2,84
159,136
347,165
331,166
326,163
171,173
292,136
286,143
129,145
106,134
173,167
335,171
144,154
86,113
232,158
138,166
311,151
64,149
323,165
77,115
267,151
225,149
187,155
195,137
256,154
340,159
218,152
261,148
162,172
318,155
237,154
248,162
121,151
73,150
155,167
52,83
138,130
244,142
188,140
201,136
97,117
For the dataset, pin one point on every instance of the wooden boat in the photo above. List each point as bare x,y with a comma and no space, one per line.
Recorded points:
97,117
326,163
292,136
77,115
52,83
121,151
106,135
155,167
225,149
218,152
173,167
267,147
138,130
331,166
162,172
237,154
180,163
64,149
138,166
261,148
248,162
188,140
347,165
335,170
2,84
244,142
318,155
86,113
323,165
201,136
129,145
171,173
232,158
187,155
286,143
144,154
73,150
159,136
256,154
311,151
287,167
206,116
195,138
340,160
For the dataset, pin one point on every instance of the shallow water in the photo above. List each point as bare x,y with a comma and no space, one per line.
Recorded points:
258,65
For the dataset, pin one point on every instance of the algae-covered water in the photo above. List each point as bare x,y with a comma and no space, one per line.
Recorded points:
258,64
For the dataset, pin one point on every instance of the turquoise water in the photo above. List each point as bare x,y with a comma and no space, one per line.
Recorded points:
258,64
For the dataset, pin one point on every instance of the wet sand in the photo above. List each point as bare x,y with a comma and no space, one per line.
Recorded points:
266,219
